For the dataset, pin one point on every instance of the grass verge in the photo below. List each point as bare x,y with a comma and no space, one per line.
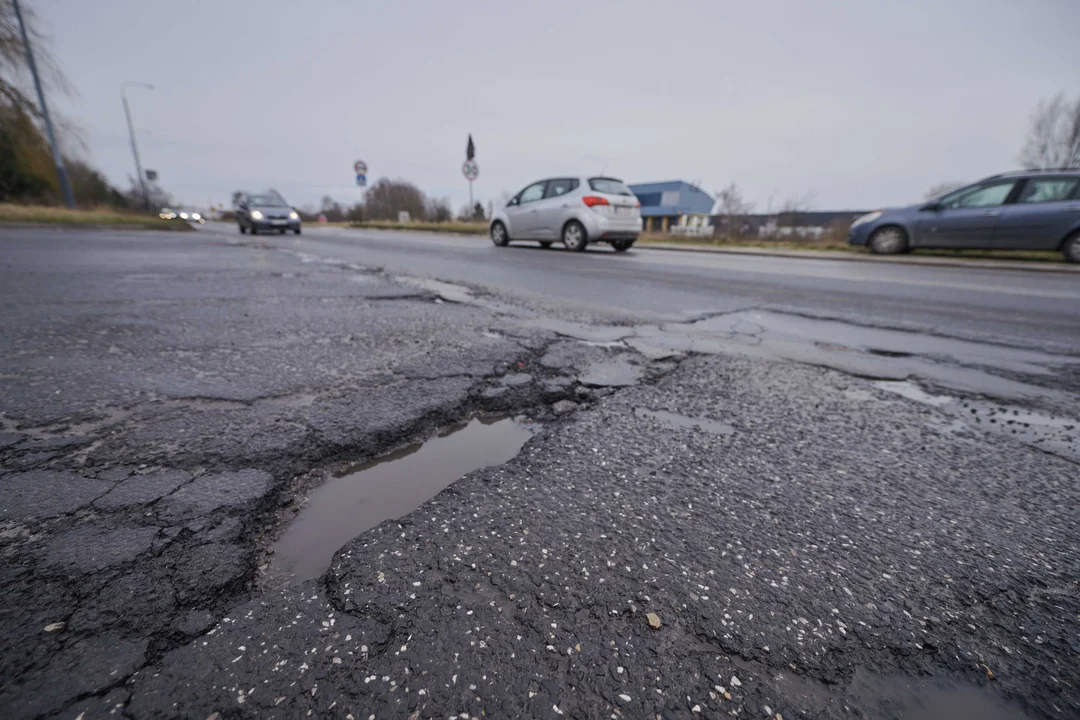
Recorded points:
47,214
833,246
457,228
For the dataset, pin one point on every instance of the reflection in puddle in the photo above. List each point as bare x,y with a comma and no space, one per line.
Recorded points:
930,699
683,421
385,488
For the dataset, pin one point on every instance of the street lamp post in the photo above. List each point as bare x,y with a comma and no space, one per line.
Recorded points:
131,132
61,171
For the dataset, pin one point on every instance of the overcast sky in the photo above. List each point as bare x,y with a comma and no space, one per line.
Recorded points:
859,103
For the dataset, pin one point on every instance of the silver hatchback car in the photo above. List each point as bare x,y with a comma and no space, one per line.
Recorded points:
575,210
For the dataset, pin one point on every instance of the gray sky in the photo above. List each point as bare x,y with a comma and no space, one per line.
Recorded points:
861,103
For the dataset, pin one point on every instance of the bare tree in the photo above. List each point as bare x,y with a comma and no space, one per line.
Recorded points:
1053,139
941,188
793,207
438,210
14,73
732,210
386,198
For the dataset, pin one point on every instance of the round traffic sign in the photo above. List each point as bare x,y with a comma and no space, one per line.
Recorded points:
360,167
470,170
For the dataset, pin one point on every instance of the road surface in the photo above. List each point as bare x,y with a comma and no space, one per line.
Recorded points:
742,486
1004,305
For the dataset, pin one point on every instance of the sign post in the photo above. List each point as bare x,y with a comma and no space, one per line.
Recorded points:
470,169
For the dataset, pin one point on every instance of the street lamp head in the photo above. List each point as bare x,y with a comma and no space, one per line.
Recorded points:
126,83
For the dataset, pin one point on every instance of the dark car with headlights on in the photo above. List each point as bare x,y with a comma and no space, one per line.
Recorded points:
266,213
1027,210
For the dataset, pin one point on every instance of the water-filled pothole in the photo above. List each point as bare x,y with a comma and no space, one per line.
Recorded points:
387,487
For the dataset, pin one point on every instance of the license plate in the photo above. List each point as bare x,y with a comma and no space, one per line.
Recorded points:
278,222
623,210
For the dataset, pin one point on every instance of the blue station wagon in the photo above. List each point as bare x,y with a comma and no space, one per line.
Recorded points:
1029,210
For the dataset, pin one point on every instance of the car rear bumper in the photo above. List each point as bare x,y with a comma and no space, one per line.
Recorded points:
601,228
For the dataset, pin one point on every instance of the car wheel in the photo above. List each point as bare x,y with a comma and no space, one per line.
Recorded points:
888,240
253,230
574,236
622,245
545,244
1071,248
243,230
499,235
297,231
281,231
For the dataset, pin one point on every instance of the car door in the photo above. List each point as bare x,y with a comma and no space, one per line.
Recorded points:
1046,208
554,209
966,218
522,214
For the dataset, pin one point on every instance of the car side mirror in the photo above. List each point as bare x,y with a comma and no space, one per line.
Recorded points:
513,201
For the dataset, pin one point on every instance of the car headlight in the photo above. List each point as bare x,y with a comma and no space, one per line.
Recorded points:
256,215
868,217
196,216
183,215
294,216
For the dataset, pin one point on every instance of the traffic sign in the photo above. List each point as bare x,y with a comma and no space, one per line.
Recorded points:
470,170
361,179
360,167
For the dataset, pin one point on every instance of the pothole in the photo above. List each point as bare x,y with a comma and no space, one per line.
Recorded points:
889,353
1052,433
385,488
685,421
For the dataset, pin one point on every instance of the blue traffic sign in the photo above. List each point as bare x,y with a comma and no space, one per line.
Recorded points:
361,180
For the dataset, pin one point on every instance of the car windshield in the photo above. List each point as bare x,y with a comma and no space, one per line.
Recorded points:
266,201
610,186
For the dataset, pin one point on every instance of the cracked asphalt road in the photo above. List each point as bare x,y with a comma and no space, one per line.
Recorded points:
806,508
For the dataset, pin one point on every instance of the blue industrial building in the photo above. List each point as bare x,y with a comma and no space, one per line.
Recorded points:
674,203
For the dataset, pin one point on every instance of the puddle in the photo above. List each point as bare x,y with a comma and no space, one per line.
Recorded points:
684,421
912,698
1053,433
388,487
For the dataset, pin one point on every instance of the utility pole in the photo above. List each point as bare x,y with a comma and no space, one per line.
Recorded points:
61,171
131,133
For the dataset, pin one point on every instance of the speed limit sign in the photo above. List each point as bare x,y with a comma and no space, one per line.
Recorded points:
360,167
470,170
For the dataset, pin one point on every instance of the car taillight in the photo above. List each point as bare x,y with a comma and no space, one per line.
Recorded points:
592,200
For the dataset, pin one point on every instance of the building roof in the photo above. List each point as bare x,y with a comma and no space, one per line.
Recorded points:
672,197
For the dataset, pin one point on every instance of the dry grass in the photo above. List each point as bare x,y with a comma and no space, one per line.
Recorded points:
457,228
10,212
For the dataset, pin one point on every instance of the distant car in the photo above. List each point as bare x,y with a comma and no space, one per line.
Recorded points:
1029,210
181,214
574,210
256,213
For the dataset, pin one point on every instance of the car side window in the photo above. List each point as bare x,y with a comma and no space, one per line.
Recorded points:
979,196
532,193
559,187
1040,190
